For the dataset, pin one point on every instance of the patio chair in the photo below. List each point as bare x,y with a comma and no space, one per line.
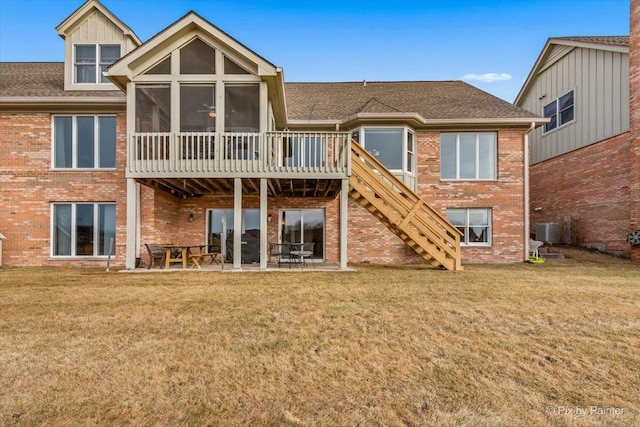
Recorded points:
155,252
281,251
534,246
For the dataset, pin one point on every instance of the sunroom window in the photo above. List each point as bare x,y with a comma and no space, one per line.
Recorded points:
153,108
242,108
197,108
197,57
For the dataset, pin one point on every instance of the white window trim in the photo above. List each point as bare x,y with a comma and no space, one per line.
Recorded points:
557,102
74,76
74,142
477,157
489,242
405,131
96,230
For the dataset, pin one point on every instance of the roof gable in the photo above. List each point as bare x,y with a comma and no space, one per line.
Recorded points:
83,12
557,47
178,34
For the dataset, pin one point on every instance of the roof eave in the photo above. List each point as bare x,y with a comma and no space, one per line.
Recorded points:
19,103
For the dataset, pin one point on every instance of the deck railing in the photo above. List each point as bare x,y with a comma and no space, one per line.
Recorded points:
210,154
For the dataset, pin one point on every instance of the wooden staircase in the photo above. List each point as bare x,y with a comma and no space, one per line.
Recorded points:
424,230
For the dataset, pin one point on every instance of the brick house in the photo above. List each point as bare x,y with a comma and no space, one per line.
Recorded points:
581,166
192,137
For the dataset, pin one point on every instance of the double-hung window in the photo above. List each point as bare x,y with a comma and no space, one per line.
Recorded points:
91,60
560,111
468,156
84,142
82,229
475,225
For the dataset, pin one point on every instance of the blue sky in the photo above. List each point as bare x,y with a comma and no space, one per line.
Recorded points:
350,40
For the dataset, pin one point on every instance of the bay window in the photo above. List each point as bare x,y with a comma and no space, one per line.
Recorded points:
82,229
393,147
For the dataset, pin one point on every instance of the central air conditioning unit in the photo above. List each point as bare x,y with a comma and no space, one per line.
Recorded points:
548,232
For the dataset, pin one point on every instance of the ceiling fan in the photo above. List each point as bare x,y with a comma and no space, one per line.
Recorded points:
211,109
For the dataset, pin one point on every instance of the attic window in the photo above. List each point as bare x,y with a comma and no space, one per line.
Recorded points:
197,58
91,60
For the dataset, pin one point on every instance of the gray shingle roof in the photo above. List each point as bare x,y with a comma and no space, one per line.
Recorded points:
40,79
315,101
606,40
433,100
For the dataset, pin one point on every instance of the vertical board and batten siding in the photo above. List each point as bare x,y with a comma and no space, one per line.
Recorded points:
600,81
97,28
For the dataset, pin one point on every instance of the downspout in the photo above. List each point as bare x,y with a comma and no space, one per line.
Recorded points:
526,191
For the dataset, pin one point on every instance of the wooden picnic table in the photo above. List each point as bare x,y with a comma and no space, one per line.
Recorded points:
182,256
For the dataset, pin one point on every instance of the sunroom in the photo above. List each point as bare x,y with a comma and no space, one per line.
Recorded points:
205,118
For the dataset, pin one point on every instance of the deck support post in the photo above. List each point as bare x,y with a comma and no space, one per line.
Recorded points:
237,224
264,256
344,208
132,224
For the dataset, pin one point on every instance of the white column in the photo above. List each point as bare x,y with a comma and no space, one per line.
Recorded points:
264,255
237,223
344,208
132,226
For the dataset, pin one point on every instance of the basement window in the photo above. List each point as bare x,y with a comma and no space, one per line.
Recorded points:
475,225
82,229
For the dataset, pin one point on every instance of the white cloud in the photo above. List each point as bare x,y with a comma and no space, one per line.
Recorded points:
488,77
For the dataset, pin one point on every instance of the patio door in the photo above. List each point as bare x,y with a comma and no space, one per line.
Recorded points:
220,229
304,226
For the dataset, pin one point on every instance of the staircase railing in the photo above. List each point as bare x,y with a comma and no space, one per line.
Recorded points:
426,231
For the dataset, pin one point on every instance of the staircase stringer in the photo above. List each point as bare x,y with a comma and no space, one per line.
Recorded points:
423,229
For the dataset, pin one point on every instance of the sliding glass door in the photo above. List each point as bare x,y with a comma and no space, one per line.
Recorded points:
304,226
220,226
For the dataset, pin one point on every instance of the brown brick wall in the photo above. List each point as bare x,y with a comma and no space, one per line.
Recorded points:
165,218
29,187
634,151
370,241
592,186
